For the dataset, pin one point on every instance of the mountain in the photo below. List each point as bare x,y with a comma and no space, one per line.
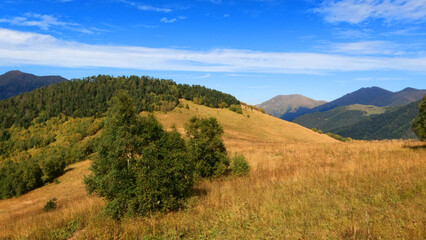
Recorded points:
287,104
374,96
395,123
13,83
339,117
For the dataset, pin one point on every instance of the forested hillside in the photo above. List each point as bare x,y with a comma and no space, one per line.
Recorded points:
89,97
43,131
339,117
393,124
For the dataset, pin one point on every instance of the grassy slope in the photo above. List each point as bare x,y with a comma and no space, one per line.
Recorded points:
300,187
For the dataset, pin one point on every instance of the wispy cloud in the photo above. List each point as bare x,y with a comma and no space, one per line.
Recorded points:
357,11
368,48
44,22
17,48
145,7
166,20
171,20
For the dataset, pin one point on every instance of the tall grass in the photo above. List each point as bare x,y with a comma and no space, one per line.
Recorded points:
296,190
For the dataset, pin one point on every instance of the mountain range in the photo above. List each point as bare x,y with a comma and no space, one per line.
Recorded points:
16,82
366,113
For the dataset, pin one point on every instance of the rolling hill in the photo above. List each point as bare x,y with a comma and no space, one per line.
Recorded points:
13,83
282,106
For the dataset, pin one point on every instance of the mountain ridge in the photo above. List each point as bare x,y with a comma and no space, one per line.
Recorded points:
15,82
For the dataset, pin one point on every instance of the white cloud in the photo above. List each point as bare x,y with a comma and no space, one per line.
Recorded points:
368,48
144,7
166,20
17,48
44,22
357,11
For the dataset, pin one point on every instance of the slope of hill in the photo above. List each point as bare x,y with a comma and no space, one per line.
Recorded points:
393,124
13,83
283,104
339,117
251,126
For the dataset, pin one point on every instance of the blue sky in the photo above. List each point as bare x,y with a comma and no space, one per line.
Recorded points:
253,49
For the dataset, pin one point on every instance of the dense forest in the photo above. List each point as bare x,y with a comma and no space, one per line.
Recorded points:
44,130
89,97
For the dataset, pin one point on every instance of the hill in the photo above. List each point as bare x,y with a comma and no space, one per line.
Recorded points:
339,117
286,104
13,83
89,97
395,123
43,131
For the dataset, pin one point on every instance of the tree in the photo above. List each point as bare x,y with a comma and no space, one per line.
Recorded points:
140,168
206,147
419,123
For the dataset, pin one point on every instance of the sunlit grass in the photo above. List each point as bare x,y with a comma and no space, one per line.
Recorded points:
302,185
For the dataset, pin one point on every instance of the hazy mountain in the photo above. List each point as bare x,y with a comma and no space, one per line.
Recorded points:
287,104
15,82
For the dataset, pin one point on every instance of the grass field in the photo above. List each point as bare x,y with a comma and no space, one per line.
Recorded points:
302,185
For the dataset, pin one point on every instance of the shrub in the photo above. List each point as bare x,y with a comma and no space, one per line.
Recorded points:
236,108
240,166
50,205
206,147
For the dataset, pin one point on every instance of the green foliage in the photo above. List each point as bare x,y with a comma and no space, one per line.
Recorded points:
236,108
88,97
206,147
419,123
50,205
338,137
240,166
140,168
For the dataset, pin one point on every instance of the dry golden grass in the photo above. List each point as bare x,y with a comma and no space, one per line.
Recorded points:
300,187
23,217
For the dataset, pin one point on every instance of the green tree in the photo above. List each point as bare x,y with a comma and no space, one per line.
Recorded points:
419,123
206,147
140,168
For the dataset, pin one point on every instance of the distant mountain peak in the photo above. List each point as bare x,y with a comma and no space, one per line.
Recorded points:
16,82
282,104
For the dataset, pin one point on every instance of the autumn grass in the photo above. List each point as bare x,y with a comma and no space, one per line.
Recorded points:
300,187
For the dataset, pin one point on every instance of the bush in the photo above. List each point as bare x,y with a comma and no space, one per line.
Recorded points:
240,166
50,205
206,147
236,108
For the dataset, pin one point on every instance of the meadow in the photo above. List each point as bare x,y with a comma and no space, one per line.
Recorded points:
302,185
